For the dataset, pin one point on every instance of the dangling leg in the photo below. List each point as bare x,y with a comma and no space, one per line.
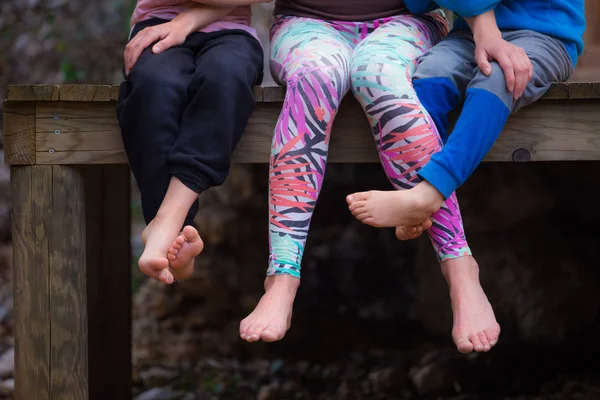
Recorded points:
312,59
406,138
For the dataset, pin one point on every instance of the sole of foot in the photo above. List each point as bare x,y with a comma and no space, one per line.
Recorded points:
475,327
272,317
182,253
152,263
387,209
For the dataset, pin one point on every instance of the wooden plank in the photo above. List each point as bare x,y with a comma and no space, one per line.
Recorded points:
548,130
32,196
85,93
273,94
269,94
68,286
108,281
19,133
114,92
32,92
116,156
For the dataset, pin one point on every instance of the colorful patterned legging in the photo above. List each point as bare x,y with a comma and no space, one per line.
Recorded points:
319,61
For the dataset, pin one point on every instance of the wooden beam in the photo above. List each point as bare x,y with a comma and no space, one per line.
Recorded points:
88,133
33,93
85,93
68,286
108,280
31,230
19,133
268,94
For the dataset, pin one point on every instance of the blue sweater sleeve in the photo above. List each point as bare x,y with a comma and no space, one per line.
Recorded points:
420,6
468,8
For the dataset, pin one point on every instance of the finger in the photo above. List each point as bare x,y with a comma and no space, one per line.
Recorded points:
483,62
521,63
508,69
166,43
150,36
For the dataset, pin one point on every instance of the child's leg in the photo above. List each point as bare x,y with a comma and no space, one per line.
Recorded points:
440,93
152,102
487,107
227,66
164,102
406,138
312,59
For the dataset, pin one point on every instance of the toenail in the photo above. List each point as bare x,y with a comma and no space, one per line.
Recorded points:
351,198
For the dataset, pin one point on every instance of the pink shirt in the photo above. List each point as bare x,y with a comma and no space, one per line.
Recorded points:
239,18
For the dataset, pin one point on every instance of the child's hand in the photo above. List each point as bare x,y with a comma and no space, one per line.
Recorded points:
164,35
489,46
513,60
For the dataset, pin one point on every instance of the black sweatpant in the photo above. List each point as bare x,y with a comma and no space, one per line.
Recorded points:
183,111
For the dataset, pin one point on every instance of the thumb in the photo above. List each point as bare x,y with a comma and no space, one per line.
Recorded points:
164,44
482,61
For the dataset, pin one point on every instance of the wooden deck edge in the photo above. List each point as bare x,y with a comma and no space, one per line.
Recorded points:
264,94
66,133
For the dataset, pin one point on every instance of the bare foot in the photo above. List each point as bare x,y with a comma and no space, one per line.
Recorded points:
412,232
475,327
157,238
272,317
396,207
183,251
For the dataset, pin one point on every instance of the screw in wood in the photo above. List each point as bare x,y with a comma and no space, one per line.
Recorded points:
51,151
56,117
57,131
521,155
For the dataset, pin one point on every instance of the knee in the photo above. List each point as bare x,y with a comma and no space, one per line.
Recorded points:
156,80
494,83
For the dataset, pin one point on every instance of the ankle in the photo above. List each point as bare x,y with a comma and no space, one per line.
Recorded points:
460,269
429,197
286,283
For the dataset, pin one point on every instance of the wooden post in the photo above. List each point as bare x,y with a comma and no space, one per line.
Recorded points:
109,281
72,283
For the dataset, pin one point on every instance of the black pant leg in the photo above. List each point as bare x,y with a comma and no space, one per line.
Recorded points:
151,104
228,65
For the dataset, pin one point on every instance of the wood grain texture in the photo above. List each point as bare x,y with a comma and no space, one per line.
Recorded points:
108,280
549,130
19,133
33,92
85,93
32,196
68,286
269,94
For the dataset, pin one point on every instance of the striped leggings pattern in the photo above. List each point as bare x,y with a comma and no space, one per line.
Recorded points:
319,62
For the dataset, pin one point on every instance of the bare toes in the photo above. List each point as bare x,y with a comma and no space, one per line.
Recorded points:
357,205
492,336
484,341
477,346
256,332
464,345
360,196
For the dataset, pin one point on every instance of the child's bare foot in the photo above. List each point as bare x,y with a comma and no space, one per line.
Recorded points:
183,251
396,207
157,238
412,232
475,327
272,317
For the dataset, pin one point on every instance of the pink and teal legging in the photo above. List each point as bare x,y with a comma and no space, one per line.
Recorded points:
319,62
